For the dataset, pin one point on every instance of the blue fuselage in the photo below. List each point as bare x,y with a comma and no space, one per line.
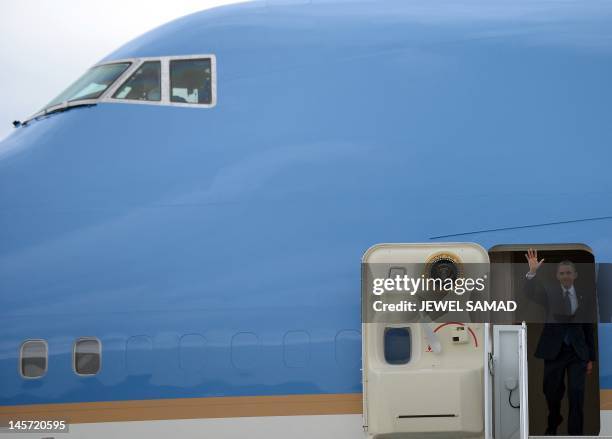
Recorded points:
204,247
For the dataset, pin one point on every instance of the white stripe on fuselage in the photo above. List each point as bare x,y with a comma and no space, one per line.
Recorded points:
270,427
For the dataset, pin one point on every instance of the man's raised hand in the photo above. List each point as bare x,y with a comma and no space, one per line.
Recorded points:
532,259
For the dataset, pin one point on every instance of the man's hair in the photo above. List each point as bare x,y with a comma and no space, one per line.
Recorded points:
567,262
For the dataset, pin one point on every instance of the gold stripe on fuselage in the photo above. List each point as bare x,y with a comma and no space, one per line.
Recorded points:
198,408
187,408
605,399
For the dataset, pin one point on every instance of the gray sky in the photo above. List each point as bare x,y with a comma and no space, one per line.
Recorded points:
47,44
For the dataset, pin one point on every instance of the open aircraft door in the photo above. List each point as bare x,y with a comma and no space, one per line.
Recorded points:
506,382
523,383
423,379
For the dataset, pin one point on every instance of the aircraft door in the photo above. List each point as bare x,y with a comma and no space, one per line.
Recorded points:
509,268
423,378
523,383
506,406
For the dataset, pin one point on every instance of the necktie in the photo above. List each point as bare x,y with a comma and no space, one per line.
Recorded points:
568,307
568,302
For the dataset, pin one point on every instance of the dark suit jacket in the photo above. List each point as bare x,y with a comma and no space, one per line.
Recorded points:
580,334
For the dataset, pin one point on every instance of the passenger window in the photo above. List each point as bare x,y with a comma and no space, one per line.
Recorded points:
143,85
86,358
190,81
139,355
33,358
397,345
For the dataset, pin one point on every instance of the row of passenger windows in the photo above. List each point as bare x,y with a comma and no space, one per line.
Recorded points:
85,357
244,352
87,353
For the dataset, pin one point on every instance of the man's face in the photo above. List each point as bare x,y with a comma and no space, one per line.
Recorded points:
566,275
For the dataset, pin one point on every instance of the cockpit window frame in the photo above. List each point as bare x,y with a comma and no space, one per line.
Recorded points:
117,85
67,104
135,64
107,96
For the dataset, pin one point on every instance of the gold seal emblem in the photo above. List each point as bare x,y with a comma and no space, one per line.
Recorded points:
444,265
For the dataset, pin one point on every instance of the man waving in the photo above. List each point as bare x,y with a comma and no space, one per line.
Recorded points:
566,347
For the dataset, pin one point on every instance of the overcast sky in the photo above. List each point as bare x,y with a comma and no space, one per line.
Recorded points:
47,44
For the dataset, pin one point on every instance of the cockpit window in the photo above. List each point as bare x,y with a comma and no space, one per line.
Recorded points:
178,80
143,85
92,84
190,81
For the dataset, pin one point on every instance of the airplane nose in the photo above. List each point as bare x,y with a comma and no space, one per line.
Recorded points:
75,191
106,156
